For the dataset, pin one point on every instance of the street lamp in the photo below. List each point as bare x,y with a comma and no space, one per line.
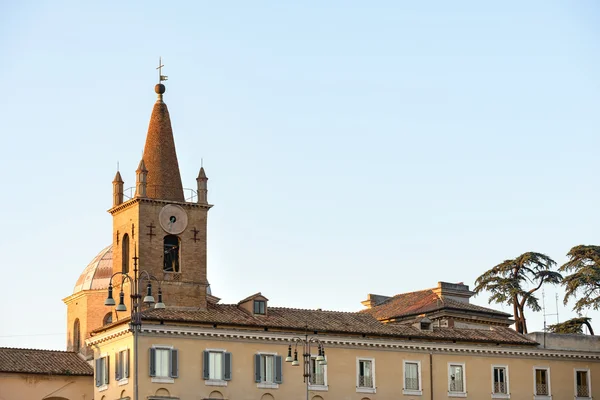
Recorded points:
306,342
135,324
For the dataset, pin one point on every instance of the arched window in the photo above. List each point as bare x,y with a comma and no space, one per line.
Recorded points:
76,335
171,251
107,319
125,253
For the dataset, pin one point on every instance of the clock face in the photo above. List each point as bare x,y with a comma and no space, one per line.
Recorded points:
173,219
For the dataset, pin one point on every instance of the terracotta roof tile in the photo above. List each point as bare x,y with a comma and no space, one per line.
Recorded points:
160,158
420,302
34,361
330,322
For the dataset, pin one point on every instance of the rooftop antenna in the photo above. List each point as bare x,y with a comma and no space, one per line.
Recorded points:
201,162
544,308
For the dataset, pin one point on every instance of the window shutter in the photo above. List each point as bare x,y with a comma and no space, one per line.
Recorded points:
117,366
98,383
205,365
257,367
126,365
174,363
278,370
227,365
152,362
106,369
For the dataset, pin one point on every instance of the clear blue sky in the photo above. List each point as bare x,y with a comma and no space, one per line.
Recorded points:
352,147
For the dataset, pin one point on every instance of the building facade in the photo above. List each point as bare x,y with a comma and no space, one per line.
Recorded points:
430,344
44,374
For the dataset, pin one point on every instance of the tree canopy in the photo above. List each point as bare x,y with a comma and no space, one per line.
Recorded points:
583,281
515,282
574,325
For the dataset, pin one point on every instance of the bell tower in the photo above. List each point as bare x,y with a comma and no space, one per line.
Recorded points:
165,231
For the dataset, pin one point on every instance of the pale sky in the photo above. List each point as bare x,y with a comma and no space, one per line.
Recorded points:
352,147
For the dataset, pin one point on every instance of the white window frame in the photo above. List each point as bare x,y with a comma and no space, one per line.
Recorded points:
319,388
103,387
506,377
362,389
123,381
268,385
464,373
589,380
411,392
161,379
216,382
542,396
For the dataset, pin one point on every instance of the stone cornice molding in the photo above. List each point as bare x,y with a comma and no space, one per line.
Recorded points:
137,200
108,335
391,344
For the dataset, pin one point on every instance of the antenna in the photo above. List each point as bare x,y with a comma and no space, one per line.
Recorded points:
544,308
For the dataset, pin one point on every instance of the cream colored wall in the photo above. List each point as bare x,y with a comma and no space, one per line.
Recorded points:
47,387
341,372
116,390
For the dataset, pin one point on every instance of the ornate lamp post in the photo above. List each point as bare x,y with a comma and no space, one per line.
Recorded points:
135,323
306,343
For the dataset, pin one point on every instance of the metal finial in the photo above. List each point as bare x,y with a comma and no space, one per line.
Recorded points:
161,77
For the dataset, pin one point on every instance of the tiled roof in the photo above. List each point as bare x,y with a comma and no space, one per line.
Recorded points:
421,302
51,362
160,157
329,322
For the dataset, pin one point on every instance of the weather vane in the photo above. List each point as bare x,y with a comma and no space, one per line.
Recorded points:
161,77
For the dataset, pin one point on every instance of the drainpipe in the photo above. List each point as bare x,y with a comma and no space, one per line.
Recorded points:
431,375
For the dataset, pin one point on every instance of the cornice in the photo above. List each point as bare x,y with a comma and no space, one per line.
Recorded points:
338,341
137,200
108,335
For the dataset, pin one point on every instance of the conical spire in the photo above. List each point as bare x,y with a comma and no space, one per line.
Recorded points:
160,158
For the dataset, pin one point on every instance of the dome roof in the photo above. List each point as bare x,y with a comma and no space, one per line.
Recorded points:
98,272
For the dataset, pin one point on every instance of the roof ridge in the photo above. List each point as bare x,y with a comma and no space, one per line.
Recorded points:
28,348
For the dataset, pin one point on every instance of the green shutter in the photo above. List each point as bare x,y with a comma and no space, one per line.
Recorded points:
278,370
98,383
174,363
205,365
106,369
152,362
257,368
126,365
117,366
227,366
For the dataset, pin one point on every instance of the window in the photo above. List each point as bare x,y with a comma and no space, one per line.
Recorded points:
107,320
541,381
122,365
412,378
365,380
457,385
163,364
500,381
267,370
76,335
318,374
259,307
102,372
582,384
171,253
125,254
216,367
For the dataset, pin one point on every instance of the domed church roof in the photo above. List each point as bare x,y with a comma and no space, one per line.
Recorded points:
97,274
